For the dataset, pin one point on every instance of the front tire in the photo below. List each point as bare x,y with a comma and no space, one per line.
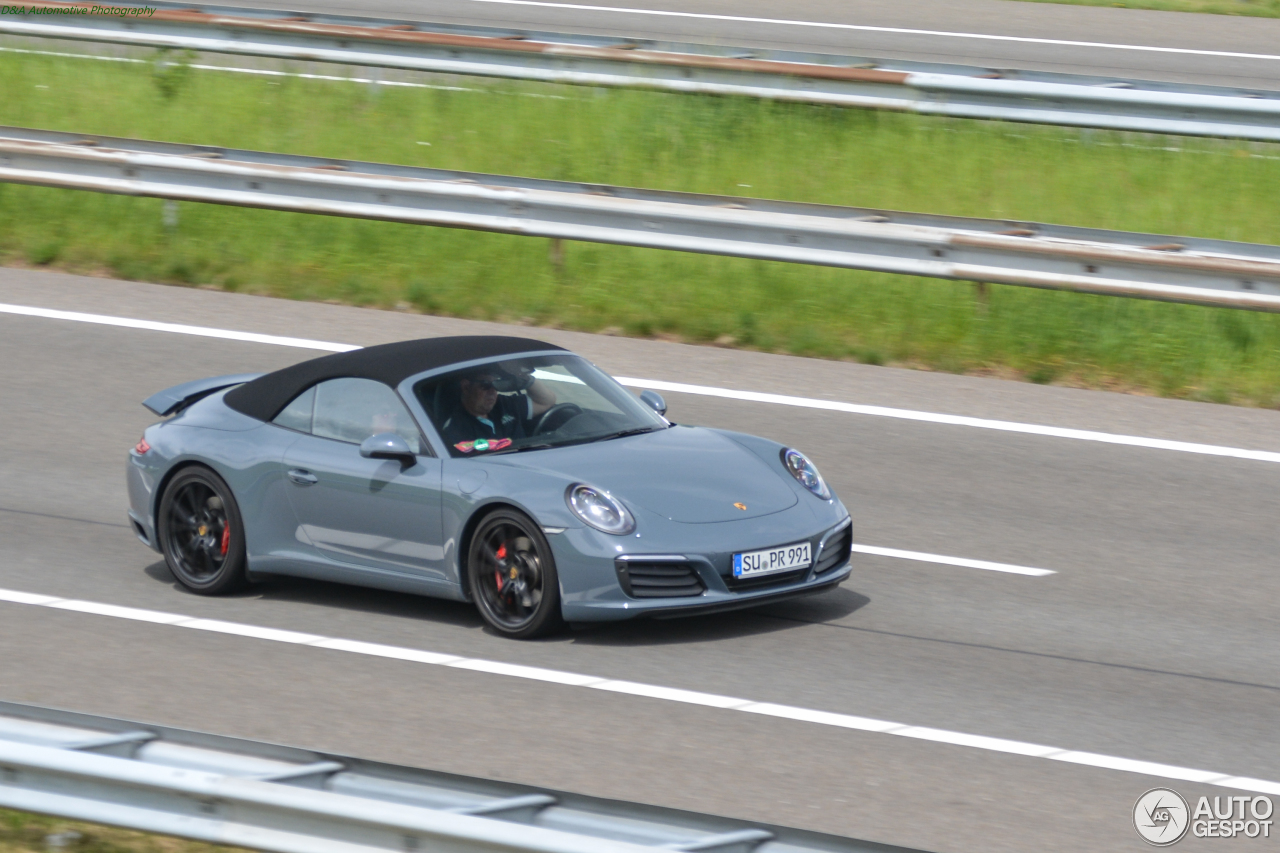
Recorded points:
513,576
202,533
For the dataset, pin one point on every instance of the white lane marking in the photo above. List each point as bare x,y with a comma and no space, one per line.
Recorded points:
257,632
15,597
1129,765
649,691
99,609
531,672
954,420
700,390
743,19
1247,784
672,694
995,744
951,561
175,328
823,718
395,652
735,19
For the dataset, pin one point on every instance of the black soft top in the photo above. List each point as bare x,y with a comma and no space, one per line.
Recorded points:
264,397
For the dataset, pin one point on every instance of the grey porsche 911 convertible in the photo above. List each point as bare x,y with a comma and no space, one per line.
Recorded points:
499,470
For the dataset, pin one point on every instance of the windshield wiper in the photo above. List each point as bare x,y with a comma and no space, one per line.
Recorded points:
619,434
522,448
626,432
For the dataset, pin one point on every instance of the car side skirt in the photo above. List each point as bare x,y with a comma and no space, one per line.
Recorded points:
335,572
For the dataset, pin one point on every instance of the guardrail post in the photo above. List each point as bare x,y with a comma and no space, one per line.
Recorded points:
983,296
169,215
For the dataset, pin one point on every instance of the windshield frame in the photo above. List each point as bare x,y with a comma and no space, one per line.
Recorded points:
633,412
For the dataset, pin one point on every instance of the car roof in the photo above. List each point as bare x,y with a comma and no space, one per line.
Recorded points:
264,397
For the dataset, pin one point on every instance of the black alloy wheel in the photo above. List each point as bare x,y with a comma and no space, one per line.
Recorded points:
202,533
513,576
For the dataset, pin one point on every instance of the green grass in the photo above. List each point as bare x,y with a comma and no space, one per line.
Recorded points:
28,833
1256,8
693,143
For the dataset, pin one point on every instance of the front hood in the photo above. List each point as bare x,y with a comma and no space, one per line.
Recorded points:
686,474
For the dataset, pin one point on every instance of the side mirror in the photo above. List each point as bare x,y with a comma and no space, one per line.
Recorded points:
654,401
387,445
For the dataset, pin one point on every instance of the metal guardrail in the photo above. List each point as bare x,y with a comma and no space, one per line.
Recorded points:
1175,269
229,791
956,91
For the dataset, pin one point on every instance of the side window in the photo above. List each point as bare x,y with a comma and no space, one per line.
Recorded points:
297,415
354,409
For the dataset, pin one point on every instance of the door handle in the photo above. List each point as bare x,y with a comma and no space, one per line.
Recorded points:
303,478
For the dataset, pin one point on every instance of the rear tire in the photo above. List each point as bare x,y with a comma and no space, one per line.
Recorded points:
201,533
513,576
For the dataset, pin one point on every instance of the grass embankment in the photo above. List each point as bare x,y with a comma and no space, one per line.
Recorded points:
682,142
27,833
1255,8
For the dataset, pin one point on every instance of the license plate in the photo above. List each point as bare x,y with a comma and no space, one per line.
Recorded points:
770,560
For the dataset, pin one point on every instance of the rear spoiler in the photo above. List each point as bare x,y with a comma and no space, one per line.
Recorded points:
170,401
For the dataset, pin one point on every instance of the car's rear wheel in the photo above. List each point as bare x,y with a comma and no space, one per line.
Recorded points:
202,533
513,576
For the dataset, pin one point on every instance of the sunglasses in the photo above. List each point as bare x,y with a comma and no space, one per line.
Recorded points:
483,384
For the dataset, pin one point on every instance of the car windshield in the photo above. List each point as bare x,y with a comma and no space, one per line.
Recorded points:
531,403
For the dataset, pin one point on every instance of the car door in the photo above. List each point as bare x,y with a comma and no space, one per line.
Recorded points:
378,514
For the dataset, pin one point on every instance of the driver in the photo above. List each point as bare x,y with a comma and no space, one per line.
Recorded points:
485,413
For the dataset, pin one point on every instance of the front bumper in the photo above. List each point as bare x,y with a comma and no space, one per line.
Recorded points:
828,581
610,597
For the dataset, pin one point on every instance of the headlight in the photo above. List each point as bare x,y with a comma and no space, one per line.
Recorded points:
805,472
599,510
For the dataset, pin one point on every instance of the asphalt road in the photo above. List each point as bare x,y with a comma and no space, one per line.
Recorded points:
945,31
1155,640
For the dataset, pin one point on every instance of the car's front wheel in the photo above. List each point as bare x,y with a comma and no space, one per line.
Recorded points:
513,576
202,533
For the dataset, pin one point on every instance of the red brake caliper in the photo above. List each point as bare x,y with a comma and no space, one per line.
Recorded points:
226,539
501,554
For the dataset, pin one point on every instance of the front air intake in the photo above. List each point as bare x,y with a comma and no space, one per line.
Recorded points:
659,579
